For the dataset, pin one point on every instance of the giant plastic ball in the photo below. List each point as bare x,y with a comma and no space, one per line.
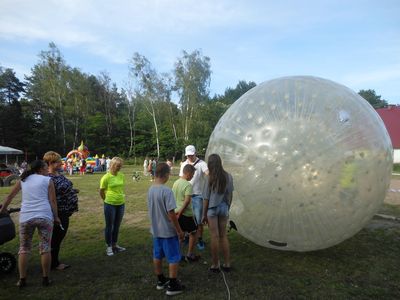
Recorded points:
311,162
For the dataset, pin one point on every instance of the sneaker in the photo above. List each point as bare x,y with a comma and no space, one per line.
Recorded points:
118,249
201,245
109,251
162,284
175,289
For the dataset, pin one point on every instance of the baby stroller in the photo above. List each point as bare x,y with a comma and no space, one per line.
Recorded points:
7,233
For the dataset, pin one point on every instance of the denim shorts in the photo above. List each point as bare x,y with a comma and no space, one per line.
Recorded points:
167,247
197,205
221,210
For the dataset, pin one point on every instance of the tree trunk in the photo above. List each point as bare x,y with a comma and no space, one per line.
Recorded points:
131,112
62,122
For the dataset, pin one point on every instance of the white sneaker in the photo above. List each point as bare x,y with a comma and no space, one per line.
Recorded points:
119,248
109,251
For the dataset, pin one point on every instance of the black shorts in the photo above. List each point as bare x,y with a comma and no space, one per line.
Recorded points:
188,224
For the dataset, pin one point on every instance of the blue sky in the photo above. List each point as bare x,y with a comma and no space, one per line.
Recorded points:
355,43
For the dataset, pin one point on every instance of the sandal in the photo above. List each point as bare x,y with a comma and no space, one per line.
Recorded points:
214,270
46,281
226,269
21,283
62,267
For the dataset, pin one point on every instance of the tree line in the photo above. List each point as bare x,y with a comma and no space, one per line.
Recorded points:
154,114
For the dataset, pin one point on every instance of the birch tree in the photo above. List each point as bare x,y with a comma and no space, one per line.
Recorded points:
192,81
150,87
48,85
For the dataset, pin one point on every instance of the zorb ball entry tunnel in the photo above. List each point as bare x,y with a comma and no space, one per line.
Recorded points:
311,162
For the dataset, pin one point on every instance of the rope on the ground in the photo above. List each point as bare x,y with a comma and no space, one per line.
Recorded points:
226,284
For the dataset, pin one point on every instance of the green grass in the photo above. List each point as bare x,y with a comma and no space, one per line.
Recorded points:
365,266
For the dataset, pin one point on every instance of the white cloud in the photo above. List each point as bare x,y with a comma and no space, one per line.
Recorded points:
246,39
97,25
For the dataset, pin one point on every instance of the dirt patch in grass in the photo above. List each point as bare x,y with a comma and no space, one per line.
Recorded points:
138,219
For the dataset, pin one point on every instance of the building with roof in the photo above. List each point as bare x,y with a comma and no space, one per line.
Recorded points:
391,117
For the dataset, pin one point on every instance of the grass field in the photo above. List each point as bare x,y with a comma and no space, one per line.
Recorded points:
366,266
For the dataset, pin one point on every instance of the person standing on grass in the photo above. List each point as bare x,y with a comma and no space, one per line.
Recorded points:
198,182
38,210
153,168
170,164
67,204
217,201
112,186
183,194
103,163
108,161
165,230
82,166
145,166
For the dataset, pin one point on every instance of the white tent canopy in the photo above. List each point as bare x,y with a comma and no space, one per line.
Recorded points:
8,150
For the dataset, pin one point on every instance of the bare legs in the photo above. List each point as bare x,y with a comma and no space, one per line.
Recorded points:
23,264
219,239
173,268
192,242
45,259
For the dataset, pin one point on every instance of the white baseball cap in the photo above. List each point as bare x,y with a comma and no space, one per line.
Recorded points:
190,150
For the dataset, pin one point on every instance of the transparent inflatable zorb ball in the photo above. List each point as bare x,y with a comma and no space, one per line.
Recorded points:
311,162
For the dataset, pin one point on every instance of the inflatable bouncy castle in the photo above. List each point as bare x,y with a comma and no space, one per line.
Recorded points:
82,152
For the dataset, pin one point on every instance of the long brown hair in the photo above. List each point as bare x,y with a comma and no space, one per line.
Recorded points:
217,180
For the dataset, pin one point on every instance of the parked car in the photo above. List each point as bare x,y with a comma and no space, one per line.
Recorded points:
8,175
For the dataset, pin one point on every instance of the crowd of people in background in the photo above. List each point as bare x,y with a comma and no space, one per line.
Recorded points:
202,195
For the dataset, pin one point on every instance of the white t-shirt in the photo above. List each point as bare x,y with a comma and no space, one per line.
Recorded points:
199,179
35,198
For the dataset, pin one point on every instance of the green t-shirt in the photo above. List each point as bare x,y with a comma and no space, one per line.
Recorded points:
182,188
114,188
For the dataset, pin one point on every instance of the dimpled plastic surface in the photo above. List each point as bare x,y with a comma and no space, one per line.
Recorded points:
311,162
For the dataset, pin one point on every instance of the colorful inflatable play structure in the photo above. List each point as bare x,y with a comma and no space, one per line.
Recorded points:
82,152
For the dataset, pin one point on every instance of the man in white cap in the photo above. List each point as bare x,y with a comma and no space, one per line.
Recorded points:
198,182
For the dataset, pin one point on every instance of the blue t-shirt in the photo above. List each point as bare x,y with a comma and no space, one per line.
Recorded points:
161,200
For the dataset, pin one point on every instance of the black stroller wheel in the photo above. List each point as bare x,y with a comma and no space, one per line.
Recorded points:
7,262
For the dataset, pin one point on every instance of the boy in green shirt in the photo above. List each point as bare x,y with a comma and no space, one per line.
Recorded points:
183,194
